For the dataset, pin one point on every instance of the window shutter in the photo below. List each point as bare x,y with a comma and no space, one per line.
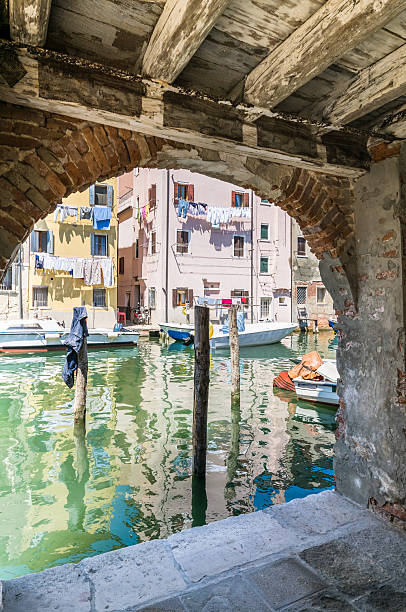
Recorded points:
110,195
92,191
92,244
14,276
149,195
174,297
153,195
50,242
176,193
191,193
246,200
233,198
34,242
190,297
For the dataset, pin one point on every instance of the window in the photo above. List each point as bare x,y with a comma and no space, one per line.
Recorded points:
152,196
99,298
153,243
99,245
239,199
264,231
301,246
41,241
282,301
121,265
136,248
238,246
6,284
264,265
181,297
183,191
266,311
151,298
100,195
40,297
266,202
321,295
182,241
301,293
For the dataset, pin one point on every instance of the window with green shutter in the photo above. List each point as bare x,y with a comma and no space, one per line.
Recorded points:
264,265
264,231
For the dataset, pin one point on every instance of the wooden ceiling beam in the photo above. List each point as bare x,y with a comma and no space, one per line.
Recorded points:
29,21
37,78
373,87
337,27
179,32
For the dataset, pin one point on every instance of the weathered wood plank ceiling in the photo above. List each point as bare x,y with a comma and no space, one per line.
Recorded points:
241,35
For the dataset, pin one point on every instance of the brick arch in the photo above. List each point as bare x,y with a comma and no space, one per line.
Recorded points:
45,157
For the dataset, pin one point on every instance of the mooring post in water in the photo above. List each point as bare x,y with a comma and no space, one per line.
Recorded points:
235,353
201,389
79,408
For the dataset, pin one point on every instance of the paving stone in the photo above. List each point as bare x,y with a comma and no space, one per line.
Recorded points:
218,547
389,597
329,600
285,582
131,576
345,567
318,514
384,545
232,594
62,588
168,605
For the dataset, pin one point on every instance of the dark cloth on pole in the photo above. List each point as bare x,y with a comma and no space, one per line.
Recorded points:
74,342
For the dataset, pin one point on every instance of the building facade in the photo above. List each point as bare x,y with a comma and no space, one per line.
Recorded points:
308,291
14,287
72,258
185,238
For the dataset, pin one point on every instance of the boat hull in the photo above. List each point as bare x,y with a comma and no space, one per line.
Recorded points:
259,337
324,392
179,332
44,343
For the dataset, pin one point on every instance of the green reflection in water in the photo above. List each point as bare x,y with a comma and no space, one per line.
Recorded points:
67,494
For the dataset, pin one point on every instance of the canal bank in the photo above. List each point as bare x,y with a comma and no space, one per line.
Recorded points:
318,553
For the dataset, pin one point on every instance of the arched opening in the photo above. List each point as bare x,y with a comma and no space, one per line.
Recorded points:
351,232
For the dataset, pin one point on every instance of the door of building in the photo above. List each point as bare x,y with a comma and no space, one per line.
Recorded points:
266,308
137,296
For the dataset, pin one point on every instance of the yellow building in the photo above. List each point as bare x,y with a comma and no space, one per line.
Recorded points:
73,258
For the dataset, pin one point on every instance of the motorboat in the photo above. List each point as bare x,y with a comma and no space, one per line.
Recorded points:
254,334
321,388
27,335
180,332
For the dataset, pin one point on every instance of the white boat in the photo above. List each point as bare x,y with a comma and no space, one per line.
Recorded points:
255,334
325,390
26,335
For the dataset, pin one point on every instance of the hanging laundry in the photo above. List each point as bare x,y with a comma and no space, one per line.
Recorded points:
39,262
183,207
65,211
78,268
227,302
101,217
92,272
107,269
85,212
146,212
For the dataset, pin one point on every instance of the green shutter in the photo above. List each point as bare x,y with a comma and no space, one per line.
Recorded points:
110,195
92,191
50,242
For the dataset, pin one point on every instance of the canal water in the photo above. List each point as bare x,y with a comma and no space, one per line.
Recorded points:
65,497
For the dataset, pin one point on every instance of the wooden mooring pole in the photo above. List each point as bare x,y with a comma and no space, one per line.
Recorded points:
79,407
235,354
201,389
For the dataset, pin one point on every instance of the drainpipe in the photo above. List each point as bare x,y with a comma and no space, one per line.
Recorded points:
20,282
167,248
252,254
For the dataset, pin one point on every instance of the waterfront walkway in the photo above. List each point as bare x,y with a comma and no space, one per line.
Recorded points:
318,553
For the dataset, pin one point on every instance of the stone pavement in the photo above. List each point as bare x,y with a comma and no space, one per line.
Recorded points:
318,553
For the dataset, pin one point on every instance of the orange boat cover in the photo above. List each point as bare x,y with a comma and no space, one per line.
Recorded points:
307,367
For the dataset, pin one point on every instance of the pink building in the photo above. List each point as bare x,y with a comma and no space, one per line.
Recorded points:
172,253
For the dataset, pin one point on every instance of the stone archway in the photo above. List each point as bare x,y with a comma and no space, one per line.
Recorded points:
357,232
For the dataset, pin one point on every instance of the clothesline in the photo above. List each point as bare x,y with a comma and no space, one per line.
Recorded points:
226,302
99,215
215,215
88,268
